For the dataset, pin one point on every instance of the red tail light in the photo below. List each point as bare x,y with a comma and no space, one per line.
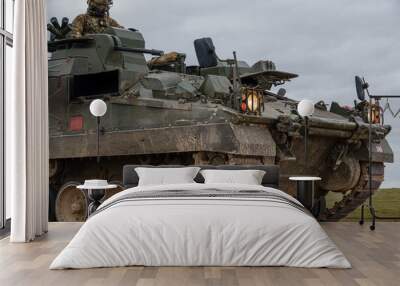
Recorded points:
243,107
76,123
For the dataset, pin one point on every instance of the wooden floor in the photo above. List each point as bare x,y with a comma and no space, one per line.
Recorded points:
375,257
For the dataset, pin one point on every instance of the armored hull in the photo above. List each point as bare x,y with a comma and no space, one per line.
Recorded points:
165,113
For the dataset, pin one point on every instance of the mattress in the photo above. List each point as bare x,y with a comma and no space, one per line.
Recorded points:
201,225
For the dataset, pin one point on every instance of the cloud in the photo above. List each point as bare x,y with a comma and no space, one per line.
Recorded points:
326,42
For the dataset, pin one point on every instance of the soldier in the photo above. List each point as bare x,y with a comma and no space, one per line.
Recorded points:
96,20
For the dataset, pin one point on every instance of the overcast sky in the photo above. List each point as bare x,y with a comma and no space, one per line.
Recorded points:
326,42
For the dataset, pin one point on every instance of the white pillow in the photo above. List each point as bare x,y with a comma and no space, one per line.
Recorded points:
166,176
245,177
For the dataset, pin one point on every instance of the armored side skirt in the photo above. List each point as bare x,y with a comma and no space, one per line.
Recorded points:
224,138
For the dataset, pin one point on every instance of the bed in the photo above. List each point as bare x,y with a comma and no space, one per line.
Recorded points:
201,224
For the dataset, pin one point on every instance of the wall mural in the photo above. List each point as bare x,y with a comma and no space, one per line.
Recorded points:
163,111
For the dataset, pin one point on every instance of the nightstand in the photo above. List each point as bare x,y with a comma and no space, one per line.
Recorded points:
96,192
305,190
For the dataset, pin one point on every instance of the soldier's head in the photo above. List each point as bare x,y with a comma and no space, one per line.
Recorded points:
99,8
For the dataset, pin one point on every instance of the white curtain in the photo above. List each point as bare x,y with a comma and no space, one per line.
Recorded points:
27,124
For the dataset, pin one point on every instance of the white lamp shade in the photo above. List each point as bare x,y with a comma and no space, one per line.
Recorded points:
305,108
98,108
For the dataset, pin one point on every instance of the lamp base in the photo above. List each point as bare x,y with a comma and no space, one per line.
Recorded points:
373,214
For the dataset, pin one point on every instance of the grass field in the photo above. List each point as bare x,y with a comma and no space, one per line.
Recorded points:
386,203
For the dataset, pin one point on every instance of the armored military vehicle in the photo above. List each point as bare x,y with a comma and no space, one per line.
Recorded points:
163,112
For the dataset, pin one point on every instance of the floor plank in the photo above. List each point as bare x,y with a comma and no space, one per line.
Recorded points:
375,257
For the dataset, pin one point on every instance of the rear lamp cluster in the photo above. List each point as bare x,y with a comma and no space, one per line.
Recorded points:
252,101
376,112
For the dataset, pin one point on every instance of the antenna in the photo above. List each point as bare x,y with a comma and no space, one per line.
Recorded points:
237,83
236,76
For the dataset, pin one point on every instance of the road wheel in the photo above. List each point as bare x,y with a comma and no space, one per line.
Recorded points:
71,203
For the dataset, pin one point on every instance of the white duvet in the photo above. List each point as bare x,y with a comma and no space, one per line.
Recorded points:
200,232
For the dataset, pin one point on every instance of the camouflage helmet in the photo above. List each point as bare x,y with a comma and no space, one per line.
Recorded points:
99,7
